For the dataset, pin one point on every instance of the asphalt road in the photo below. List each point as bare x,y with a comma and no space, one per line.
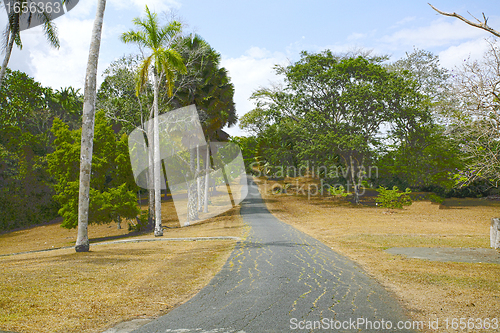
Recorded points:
281,280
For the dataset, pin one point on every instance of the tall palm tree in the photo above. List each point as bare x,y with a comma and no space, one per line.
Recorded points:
12,34
82,241
163,61
208,86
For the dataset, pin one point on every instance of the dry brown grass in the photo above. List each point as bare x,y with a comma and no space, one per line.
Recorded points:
53,236
428,289
65,291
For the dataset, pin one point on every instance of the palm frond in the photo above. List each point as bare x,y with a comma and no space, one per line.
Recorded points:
50,31
142,75
169,32
138,37
151,28
174,60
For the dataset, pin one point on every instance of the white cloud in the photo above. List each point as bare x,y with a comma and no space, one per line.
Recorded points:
355,36
456,55
65,66
248,73
439,33
404,21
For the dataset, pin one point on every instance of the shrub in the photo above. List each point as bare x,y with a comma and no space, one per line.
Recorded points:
338,191
142,222
393,198
436,198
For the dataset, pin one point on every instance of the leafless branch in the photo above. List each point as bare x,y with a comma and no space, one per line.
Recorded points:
480,25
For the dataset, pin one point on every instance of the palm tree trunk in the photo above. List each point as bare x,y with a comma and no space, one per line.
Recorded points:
151,192
8,52
82,241
157,162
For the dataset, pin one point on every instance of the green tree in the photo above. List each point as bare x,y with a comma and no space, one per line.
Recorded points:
428,158
331,110
20,97
248,146
164,61
208,86
28,110
112,188
117,97
25,188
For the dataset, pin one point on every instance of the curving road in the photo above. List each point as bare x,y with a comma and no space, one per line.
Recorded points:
281,280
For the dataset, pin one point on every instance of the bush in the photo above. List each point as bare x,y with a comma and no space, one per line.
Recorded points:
436,189
436,198
338,191
142,222
393,198
477,189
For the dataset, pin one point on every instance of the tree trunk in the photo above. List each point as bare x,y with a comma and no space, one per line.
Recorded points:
192,194
8,52
82,241
151,192
353,176
157,162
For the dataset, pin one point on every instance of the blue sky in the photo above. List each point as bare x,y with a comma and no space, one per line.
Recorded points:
254,35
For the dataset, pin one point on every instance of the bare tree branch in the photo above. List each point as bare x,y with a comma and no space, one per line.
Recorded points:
480,25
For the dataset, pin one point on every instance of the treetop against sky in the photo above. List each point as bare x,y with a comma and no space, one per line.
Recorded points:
250,50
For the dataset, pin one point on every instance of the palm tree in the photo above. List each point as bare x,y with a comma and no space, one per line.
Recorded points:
164,61
208,86
15,25
82,241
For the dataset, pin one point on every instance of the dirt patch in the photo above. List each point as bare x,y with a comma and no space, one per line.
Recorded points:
488,256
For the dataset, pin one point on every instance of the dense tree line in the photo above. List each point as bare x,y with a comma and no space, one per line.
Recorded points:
28,112
412,121
40,140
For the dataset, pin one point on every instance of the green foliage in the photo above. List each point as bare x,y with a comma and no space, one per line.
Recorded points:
117,95
162,59
25,192
205,84
436,198
142,222
248,146
20,97
393,198
338,191
112,192
331,112
28,111
424,158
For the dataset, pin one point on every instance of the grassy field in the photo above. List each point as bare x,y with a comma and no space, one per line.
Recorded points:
428,289
65,291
